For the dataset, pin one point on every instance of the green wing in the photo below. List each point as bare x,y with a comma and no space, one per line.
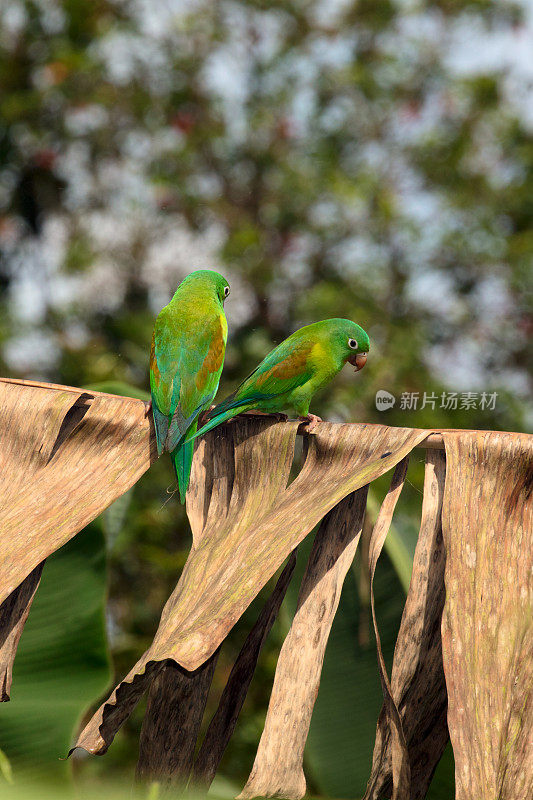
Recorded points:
185,366
285,368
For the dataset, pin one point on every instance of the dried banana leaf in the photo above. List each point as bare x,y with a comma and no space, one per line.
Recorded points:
65,456
278,765
13,615
225,718
417,680
246,521
487,630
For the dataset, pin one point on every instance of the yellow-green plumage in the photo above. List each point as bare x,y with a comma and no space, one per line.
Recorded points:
188,347
291,374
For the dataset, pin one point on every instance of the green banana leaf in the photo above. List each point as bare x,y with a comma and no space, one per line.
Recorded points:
443,783
5,767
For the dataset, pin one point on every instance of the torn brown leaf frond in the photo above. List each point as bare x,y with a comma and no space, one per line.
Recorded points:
401,771
487,631
464,653
278,765
417,680
245,522
224,720
13,615
66,455
176,704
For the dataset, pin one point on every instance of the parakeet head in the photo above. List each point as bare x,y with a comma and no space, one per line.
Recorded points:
208,279
350,341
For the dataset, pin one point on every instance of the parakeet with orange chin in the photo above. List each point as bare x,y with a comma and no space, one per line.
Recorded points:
290,375
188,348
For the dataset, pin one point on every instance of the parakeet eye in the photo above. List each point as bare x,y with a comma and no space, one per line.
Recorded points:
352,343
226,291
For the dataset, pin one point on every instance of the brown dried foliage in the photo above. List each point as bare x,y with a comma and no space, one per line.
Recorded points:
278,766
66,455
417,682
245,522
487,631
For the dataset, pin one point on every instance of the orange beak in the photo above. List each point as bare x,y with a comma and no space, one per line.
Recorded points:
358,361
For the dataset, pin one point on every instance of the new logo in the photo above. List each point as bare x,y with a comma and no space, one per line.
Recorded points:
384,400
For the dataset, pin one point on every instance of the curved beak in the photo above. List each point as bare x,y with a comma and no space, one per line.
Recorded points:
358,360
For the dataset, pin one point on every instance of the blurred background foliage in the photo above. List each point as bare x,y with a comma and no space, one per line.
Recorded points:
365,159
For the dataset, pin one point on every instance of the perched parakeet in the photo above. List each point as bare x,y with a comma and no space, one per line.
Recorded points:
291,374
188,347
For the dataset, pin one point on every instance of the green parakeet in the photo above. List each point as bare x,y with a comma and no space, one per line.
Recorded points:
294,370
188,347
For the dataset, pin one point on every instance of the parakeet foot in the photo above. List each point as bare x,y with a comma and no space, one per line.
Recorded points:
147,407
312,420
204,416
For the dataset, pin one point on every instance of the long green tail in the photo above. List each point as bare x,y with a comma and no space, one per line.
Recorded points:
218,420
182,459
